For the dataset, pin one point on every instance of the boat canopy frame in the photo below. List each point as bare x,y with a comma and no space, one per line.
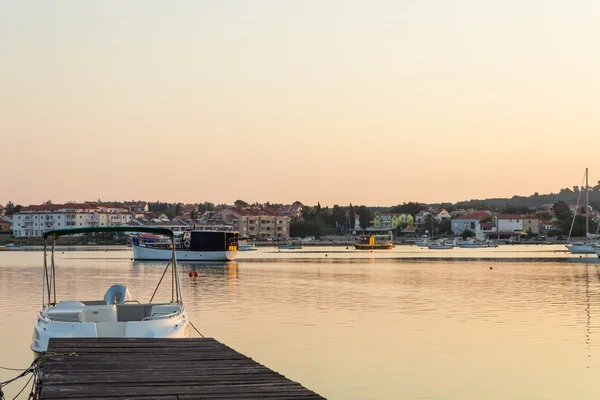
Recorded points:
49,271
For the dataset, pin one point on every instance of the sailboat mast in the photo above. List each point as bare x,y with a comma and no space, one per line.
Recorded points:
587,194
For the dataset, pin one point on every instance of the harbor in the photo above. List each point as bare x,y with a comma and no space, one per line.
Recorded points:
323,316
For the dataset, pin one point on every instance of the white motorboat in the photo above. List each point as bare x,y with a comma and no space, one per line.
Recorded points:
117,314
195,245
582,248
245,246
441,245
476,244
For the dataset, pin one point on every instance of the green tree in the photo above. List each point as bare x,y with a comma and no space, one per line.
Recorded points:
240,203
11,208
306,212
365,216
467,234
407,208
561,210
178,209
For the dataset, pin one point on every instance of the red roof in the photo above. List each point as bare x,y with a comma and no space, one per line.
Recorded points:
44,207
475,215
509,216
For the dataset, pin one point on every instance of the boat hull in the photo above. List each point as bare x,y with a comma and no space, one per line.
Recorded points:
141,253
45,328
360,246
585,249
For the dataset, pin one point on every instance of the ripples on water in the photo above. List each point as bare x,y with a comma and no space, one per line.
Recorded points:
362,326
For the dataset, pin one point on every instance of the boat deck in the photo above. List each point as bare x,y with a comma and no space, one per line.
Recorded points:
107,368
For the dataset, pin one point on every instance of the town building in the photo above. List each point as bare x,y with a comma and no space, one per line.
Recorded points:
442,215
509,223
5,225
175,225
531,224
421,216
253,222
471,222
34,221
291,210
392,220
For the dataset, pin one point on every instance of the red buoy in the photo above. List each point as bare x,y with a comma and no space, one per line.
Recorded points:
195,274
191,274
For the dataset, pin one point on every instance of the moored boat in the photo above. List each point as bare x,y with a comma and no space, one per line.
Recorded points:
476,244
441,245
375,242
293,245
117,314
582,248
192,246
246,247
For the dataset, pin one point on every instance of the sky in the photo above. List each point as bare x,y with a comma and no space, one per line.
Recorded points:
372,102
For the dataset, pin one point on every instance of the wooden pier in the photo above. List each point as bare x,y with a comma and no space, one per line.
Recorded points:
139,369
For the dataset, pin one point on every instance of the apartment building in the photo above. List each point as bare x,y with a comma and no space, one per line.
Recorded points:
255,222
34,221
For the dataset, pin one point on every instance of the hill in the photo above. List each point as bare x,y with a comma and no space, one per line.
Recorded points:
534,201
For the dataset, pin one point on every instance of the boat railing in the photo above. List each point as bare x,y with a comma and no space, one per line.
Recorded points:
159,315
58,318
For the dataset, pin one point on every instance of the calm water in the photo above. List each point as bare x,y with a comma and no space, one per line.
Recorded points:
356,325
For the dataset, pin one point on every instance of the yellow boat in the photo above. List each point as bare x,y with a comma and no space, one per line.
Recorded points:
375,242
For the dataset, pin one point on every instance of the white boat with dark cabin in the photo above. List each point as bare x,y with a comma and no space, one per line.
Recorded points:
117,314
197,245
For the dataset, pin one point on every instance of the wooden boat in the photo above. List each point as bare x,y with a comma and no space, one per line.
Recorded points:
193,246
375,242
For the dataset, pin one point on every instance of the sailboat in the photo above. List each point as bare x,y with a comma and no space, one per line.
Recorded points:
582,247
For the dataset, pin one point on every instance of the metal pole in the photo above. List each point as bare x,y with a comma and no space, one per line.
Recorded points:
173,269
53,275
586,204
177,282
44,272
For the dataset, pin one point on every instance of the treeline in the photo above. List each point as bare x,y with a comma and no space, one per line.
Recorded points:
172,210
321,221
11,208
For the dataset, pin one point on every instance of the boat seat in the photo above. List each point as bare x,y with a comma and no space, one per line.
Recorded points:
95,302
117,294
106,313
133,312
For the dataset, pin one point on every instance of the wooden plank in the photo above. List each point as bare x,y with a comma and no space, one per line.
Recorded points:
166,369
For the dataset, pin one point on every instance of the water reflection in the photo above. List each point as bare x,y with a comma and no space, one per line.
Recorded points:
365,328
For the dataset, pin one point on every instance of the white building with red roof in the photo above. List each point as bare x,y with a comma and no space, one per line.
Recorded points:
508,223
35,220
471,222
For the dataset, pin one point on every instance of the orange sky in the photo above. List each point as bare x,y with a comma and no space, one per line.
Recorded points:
374,102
